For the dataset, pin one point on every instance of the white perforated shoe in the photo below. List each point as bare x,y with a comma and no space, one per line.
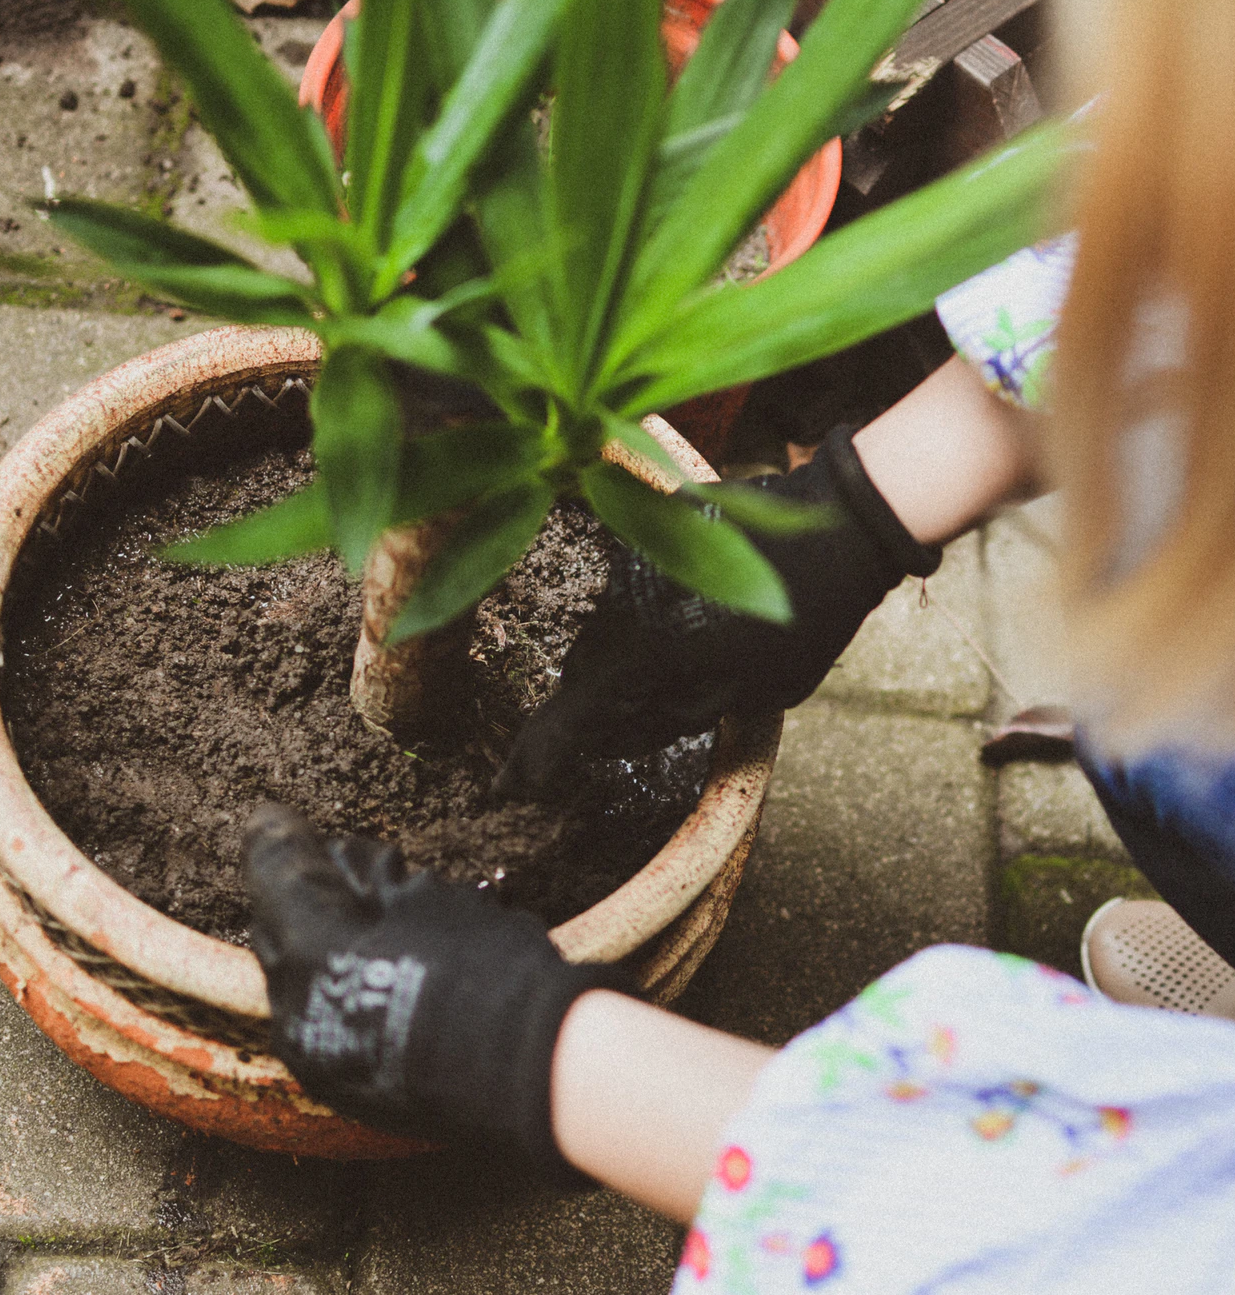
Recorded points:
1141,951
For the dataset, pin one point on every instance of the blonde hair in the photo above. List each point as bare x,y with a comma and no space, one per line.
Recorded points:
1153,633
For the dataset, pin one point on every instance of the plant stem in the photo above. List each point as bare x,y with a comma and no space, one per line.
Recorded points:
405,688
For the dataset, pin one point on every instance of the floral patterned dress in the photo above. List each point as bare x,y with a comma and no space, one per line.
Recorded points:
1003,320
974,1122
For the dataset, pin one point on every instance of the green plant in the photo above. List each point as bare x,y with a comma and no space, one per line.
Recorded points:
575,286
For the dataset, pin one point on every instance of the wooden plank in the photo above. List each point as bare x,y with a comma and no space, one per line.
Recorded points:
991,98
879,159
995,72
944,33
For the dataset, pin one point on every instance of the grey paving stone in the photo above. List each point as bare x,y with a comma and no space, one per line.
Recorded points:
225,1279
287,40
76,1275
46,355
1023,618
1052,809
248,1200
910,658
455,1225
76,1159
877,840
96,150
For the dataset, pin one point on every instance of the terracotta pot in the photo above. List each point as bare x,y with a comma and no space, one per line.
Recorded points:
172,1018
793,223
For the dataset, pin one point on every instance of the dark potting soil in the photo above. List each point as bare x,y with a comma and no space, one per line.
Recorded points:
153,706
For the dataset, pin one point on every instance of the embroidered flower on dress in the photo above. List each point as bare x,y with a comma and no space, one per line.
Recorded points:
820,1260
1116,1120
943,1044
990,1126
905,1090
695,1254
733,1168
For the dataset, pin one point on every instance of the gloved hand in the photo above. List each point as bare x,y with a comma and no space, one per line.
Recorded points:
656,662
408,1003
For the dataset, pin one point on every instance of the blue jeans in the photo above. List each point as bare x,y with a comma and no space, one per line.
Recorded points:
1175,811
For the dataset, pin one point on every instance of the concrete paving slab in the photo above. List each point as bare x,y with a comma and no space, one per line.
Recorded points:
454,1225
76,1275
46,355
246,1200
224,1279
87,113
1021,609
910,658
76,1159
1046,901
877,840
1051,809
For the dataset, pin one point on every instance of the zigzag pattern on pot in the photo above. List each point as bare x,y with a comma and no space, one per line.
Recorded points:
64,504
188,1013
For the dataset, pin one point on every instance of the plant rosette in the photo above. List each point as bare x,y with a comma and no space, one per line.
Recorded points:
793,222
175,1019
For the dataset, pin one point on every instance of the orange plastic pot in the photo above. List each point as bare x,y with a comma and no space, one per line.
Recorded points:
176,1020
793,223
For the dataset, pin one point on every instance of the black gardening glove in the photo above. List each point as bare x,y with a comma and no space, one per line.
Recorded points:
656,662
408,1003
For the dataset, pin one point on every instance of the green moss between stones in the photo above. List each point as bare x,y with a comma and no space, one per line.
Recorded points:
172,116
1045,901
116,297
29,267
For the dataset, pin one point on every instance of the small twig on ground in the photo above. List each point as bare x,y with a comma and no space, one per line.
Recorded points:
90,620
927,600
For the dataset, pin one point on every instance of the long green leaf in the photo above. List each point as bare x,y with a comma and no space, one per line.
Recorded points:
702,553
510,214
444,469
357,436
719,82
174,263
404,330
476,555
760,510
521,365
875,273
745,172
451,30
236,292
298,524
387,105
297,226
610,78
280,151
510,50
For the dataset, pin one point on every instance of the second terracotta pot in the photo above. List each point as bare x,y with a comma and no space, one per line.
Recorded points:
793,222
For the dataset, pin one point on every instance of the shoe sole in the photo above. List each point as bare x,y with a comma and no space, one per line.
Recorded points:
1094,918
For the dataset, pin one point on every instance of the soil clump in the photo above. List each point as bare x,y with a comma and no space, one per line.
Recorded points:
153,705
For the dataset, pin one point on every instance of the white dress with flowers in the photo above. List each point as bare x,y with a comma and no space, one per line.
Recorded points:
974,1122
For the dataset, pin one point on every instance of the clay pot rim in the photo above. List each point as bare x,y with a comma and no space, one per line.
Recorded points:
49,868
